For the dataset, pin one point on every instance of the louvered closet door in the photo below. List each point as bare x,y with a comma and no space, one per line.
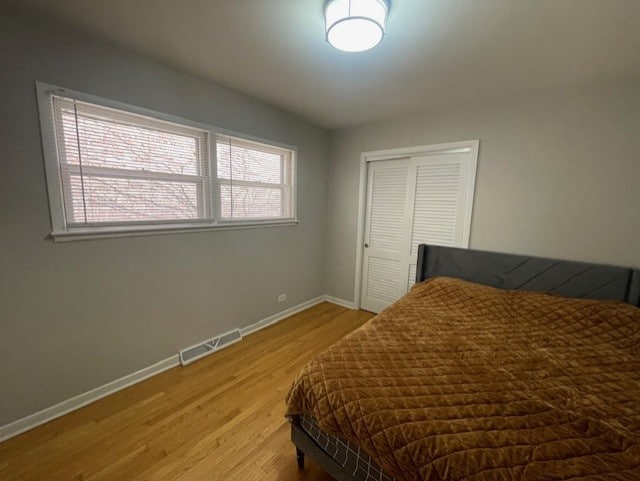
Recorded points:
410,202
385,227
440,211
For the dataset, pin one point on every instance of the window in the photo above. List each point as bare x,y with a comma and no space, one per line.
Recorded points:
113,170
255,179
122,168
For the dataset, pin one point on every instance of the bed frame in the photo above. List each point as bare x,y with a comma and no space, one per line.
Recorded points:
506,271
514,272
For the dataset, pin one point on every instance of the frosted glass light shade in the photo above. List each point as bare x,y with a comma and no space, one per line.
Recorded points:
355,25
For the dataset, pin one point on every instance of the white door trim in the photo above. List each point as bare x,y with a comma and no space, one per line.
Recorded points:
471,146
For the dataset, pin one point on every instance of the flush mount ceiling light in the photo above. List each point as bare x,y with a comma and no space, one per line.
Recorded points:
355,25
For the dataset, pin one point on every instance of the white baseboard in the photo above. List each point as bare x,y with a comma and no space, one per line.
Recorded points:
76,402
267,321
49,414
340,302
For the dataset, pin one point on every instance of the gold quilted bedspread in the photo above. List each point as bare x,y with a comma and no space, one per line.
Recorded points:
458,381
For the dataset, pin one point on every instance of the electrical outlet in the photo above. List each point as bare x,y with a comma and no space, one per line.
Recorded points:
282,297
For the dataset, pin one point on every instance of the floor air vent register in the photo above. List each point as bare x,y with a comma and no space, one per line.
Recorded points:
193,353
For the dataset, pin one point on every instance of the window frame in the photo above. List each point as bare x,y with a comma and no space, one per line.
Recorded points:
61,231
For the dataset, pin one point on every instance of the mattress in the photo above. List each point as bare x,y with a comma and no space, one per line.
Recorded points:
458,381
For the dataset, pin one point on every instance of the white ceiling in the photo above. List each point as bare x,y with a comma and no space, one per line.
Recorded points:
436,52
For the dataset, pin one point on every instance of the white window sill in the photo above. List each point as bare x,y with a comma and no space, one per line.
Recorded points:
78,234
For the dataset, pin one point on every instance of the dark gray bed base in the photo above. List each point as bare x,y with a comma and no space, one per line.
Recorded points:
342,459
305,445
506,271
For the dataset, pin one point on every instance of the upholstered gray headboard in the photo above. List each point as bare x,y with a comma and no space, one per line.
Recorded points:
508,271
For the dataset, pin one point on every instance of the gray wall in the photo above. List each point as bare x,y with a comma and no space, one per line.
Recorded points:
558,175
74,316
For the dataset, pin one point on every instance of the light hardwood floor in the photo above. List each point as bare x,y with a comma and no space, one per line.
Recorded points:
219,418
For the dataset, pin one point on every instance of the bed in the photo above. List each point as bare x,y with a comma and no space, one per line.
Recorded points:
493,366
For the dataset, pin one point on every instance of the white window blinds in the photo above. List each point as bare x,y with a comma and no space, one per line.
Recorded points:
256,180
114,170
121,168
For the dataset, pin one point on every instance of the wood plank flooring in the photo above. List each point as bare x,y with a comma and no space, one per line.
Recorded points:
219,418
